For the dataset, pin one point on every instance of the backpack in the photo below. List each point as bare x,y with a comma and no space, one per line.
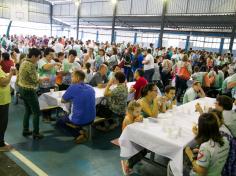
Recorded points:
184,73
230,165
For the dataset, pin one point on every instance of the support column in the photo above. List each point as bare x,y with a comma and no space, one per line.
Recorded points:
135,37
221,45
77,25
162,23
113,22
82,35
115,36
51,14
8,29
97,36
187,43
232,39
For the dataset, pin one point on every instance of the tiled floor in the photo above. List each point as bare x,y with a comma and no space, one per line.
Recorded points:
58,155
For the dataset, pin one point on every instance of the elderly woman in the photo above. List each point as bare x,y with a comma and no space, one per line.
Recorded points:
5,99
118,96
149,101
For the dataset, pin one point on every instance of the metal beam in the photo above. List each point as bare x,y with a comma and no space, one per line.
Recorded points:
113,22
187,43
164,9
51,20
77,25
221,45
40,1
97,36
232,39
135,37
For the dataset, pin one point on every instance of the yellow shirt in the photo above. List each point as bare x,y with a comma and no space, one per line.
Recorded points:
5,93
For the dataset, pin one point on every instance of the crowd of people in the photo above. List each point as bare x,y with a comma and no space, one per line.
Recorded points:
163,77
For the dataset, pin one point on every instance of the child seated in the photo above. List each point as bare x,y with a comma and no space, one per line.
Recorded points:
213,151
133,115
168,100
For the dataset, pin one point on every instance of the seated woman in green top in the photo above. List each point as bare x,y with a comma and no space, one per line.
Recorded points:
149,101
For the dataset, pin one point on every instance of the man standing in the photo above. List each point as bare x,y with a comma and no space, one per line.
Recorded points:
28,83
148,65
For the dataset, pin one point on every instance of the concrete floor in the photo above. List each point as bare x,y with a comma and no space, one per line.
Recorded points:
58,155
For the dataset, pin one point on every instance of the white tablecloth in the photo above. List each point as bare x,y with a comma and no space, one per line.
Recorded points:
167,135
53,99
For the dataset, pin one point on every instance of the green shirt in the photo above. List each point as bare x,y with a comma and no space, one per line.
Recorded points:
51,74
68,68
5,95
189,95
28,76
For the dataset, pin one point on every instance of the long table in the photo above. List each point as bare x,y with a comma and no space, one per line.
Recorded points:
167,135
53,99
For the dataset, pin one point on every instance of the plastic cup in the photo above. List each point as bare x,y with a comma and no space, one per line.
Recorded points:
145,123
59,94
51,91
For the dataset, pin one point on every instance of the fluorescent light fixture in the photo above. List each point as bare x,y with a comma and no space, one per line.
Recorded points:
77,3
113,1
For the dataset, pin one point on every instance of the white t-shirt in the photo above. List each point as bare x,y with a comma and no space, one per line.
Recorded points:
58,47
189,95
150,65
230,121
213,157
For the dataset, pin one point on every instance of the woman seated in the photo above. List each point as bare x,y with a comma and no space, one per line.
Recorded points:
213,151
117,97
149,101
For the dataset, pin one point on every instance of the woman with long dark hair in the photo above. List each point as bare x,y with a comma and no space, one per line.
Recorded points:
214,149
149,101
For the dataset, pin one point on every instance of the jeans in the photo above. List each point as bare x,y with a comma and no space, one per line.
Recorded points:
165,76
148,74
128,73
62,124
181,86
31,103
3,122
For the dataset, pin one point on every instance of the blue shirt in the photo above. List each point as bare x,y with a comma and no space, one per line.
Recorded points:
83,109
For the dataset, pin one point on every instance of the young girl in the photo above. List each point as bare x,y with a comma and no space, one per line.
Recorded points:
213,151
88,72
133,115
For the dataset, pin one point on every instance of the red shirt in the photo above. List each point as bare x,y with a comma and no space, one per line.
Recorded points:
6,65
138,86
